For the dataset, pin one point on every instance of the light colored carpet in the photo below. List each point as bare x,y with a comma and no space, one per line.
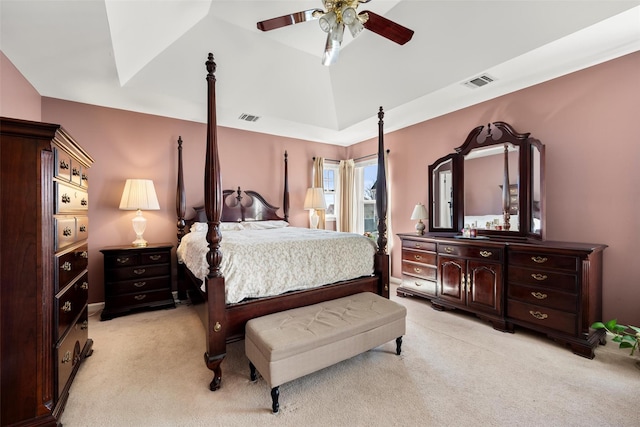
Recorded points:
147,369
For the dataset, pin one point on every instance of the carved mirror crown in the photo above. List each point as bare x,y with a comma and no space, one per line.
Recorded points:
493,183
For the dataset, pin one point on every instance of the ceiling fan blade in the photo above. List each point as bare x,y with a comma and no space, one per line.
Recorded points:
386,28
291,19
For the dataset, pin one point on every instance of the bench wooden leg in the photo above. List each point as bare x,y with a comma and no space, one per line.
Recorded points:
398,345
275,394
254,374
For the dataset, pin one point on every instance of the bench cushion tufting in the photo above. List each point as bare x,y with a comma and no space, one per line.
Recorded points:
289,344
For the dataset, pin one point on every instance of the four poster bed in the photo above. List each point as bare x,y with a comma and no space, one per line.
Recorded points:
223,311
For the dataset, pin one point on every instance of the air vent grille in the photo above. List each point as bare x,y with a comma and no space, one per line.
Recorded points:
249,117
479,81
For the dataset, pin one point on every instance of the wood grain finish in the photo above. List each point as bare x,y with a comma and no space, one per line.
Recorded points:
551,287
43,270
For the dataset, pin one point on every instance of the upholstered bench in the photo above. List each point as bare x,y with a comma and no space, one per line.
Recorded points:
290,344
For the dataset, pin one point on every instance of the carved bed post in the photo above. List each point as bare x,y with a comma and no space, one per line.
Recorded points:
181,206
382,258
285,197
216,333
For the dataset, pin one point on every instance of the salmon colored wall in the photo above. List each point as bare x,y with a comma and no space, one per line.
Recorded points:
588,121
125,145
19,99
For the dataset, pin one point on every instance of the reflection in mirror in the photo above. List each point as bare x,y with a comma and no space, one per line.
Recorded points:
536,181
442,209
491,183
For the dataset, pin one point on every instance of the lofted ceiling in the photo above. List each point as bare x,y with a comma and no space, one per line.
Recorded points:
148,56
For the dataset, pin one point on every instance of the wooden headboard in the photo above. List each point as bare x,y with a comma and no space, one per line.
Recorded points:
237,207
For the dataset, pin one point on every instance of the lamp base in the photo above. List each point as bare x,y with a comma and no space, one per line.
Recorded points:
139,242
314,219
139,225
420,227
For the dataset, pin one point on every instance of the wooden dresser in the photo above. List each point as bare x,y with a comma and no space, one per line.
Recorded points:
43,266
551,287
136,278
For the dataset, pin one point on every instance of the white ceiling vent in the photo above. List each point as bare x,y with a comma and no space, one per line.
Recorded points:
249,117
479,81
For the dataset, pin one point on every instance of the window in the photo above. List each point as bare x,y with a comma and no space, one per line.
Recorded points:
330,183
368,198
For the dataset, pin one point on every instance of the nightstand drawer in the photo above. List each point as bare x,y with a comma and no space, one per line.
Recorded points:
141,299
137,272
136,286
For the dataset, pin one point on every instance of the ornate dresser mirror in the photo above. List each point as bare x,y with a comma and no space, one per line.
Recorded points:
493,183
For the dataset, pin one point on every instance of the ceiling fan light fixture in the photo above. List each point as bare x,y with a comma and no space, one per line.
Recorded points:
349,15
337,33
327,21
355,27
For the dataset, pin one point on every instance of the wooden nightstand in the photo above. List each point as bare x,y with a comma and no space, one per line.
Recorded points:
136,279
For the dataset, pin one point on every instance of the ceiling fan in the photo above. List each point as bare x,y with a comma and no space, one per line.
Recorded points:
337,15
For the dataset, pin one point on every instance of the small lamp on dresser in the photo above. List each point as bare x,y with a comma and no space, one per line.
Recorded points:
139,195
419,213
313,201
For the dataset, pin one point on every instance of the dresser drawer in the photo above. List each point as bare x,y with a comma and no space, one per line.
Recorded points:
547,279
419,270
419,285
69,230
137,272
140,299
479,252
419,256
544,297
70,303
69,349
70,264
542,317
70,199
136,286
418,244
544,261
63,165
147,257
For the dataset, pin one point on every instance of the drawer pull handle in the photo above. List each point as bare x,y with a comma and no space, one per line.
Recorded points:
539,277
65,198
75,172
67,357
84,325
84,254
85,177
140,297
539,295
83,229
66,231
139,284
417,269
123,260
486,254
66,266
417,245
64,165
84,202
85,285
139,271
417,283
66,307
417,257
538,315
155,257
539,259
448,249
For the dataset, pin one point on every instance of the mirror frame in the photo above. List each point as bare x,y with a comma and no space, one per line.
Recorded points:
497,133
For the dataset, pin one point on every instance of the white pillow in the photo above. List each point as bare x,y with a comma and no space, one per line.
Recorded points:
264,225
224,226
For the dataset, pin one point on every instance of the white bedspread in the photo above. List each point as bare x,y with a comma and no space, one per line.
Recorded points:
259,263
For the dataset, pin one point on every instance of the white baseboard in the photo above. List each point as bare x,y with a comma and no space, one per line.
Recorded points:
95,308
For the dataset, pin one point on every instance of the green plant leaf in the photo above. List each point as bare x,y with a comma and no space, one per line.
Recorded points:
597,325
635,328
625,344
629,338
611,324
